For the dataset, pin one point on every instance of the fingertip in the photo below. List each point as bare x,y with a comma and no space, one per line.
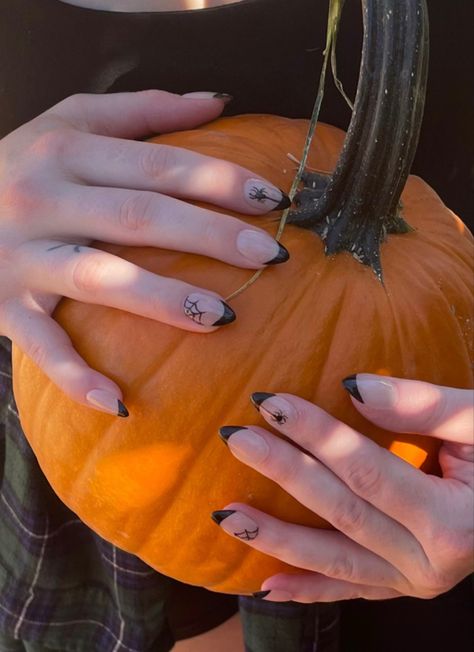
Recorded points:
209,95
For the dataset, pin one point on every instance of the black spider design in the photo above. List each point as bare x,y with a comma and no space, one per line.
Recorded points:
247,535
279,417
192,311
260,194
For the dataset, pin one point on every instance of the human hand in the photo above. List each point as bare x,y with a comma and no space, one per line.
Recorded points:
73,175
398,531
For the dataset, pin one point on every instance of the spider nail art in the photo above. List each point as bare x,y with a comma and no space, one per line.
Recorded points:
275,409
270,197
207,311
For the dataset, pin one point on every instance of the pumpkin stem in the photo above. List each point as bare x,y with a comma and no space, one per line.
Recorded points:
359,204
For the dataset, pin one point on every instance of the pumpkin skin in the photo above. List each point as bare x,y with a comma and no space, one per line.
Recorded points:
148,483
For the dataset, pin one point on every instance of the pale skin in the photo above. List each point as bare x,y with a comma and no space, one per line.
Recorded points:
398,531
53,192
74,174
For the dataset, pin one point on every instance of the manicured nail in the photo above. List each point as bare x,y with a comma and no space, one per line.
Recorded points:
209,95
350,384
266,195
273,408
107,402
226,431
261,248
372,391
260,594
222,514
246,445
257,398
236,524
274,595
207,311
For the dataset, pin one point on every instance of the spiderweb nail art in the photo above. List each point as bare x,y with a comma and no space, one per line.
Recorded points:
192,311
247,535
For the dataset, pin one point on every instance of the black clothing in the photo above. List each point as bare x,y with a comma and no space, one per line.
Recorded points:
267,53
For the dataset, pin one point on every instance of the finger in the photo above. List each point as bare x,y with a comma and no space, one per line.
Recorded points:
414,406
382,479
174,171
321,491
314,587
321,551
148,219
133,115
45,342
92,276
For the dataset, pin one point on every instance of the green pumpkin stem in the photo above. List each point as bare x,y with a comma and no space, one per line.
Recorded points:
359,204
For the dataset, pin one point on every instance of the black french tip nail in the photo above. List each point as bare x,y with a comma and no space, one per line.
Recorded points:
285,202
221,514
257,398
350,383
227,318
226,431
260,594
281,257
225,97
122,410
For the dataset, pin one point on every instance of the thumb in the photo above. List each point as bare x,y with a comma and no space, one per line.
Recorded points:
139,114
414,406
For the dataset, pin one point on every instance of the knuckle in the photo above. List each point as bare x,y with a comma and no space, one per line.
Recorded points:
433,586
350,515
37,352
88,273
73,102
211,233
22,197
364,478
286,473
156,160
432,418
341,568
137,212
51,144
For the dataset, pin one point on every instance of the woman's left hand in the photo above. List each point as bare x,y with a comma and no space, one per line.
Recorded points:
398,531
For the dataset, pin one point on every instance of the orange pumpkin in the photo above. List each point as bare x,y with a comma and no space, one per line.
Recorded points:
149,483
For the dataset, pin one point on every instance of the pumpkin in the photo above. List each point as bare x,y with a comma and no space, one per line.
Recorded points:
149,483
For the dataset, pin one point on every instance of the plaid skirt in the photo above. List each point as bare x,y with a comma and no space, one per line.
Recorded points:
62,587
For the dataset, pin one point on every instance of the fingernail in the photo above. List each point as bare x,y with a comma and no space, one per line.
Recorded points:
207,311
267,196
226,431
260,594
245,444
273,408
209,95
261,248
274,595
236,524
372,391
222,514
257,398
107,402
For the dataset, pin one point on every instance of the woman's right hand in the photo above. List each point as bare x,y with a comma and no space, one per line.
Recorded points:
73,175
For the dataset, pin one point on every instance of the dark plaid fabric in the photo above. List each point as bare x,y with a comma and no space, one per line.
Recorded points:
62,587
